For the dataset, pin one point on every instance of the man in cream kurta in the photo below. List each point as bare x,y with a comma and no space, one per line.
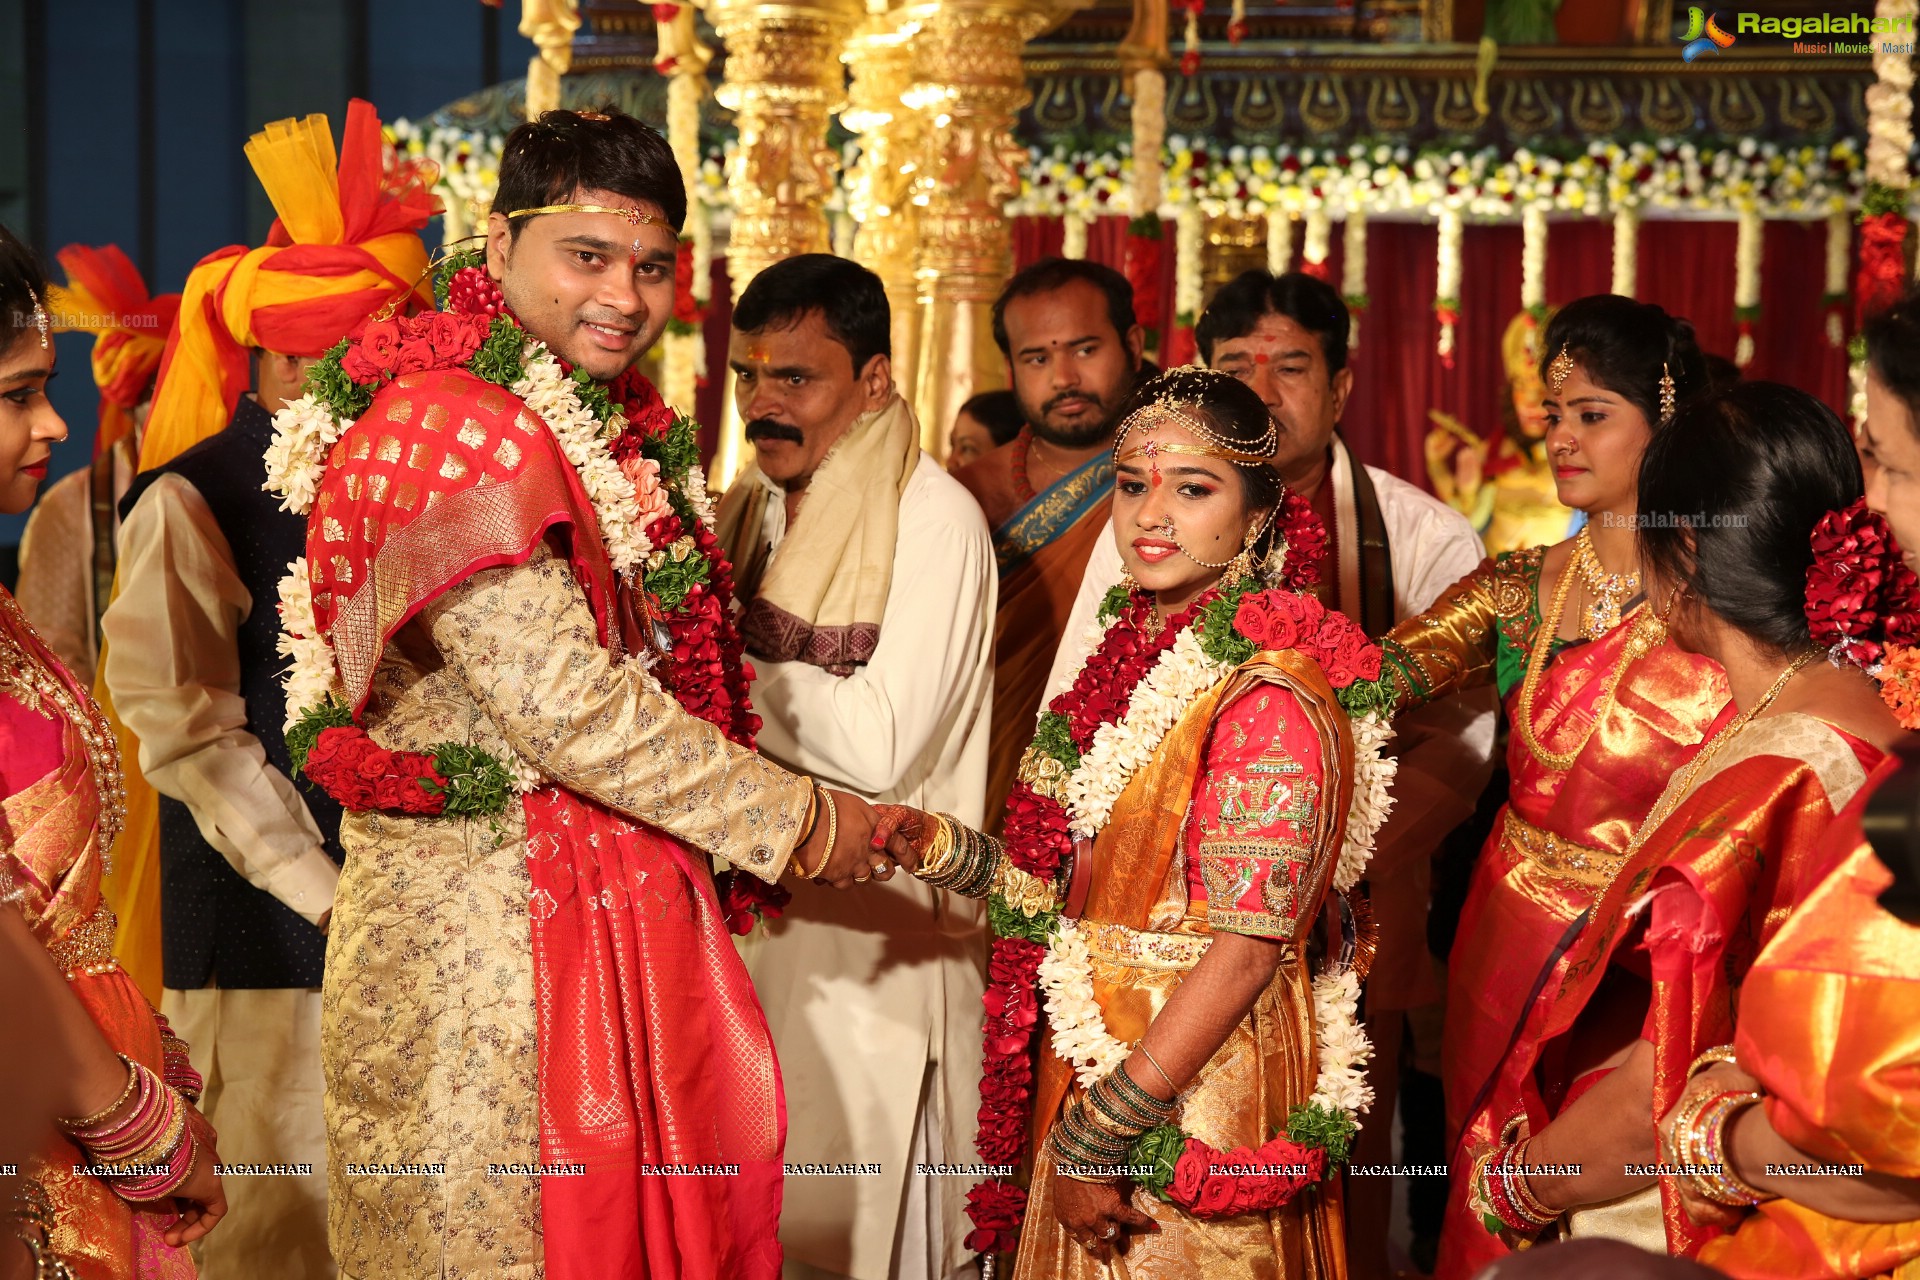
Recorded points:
873,996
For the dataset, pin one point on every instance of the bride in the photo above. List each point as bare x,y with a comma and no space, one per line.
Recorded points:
1179,848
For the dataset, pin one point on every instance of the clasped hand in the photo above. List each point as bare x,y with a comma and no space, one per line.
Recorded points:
869,842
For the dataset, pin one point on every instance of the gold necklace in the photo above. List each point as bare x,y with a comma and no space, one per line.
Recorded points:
1682,783
1647,632
1608,590
29,679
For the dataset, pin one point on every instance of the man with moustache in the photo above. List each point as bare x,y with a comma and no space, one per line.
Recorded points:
1066,327
1392,549
866,586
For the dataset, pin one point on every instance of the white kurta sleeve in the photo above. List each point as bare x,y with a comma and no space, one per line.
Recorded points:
173,668
1104,570
868,730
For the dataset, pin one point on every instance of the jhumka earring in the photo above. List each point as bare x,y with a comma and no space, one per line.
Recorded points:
1666,394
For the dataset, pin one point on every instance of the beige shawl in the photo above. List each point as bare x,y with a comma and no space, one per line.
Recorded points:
821,598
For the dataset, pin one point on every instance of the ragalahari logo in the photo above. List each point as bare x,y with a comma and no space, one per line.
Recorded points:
1704,34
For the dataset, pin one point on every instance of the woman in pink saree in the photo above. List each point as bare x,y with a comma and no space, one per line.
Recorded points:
127,1180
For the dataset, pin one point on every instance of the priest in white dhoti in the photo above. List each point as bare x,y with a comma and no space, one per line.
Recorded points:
1393,548
866,588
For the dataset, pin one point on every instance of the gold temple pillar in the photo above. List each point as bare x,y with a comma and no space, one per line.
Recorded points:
969,84
1234,245
880,184
783,83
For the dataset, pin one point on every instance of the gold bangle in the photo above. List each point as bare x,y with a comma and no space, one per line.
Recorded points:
1719,1053
100,1117
833,832
1152,1062
813,810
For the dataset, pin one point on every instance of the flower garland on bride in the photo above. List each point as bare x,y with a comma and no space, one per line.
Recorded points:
1139,679
638,461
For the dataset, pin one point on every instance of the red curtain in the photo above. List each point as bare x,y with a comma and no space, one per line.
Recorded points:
1686,267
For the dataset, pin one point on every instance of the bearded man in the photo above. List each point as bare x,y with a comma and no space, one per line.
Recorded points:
1066,327
514,666
866,580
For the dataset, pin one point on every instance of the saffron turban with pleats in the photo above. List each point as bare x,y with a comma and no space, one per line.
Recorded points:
346,243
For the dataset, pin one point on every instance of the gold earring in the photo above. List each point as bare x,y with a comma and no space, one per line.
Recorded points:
1666,395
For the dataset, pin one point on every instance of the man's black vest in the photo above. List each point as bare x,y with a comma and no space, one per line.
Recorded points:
214,926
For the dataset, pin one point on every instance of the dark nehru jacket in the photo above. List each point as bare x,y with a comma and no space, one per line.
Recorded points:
214,926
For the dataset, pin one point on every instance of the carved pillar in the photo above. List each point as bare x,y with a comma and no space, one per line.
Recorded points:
880,184
1234,245
968,79
550,24
783,83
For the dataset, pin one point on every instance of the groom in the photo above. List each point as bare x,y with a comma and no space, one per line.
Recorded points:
542,1054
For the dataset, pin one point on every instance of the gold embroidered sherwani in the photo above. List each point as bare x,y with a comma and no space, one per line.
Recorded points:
429,1010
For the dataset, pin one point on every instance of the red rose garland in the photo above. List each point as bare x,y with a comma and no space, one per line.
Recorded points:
1224,1184
705,666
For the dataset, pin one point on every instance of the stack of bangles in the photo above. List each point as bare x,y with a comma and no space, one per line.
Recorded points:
148,1151
1091,1140
1698,1140
1505,1193
960,858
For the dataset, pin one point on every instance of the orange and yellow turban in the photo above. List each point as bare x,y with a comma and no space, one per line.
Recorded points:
105,296
346,243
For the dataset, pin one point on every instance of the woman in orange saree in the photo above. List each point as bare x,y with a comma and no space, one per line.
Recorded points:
119,1193
1601,712
1826,1057
1190,813
1727,849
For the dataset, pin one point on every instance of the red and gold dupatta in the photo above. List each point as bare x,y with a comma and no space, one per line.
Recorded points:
53,828
657,1071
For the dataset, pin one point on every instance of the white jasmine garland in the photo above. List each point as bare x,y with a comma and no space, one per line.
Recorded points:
1839,242
1353,266
1746,276
1626,249
309,679
1080,1034
1890,98
1313,249
303,432
549,392
1279,241
1341,1083
1073,236
1447,274
1533,256
1189,240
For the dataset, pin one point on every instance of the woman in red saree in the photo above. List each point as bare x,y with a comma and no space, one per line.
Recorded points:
1728,848
60,807
1601,712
